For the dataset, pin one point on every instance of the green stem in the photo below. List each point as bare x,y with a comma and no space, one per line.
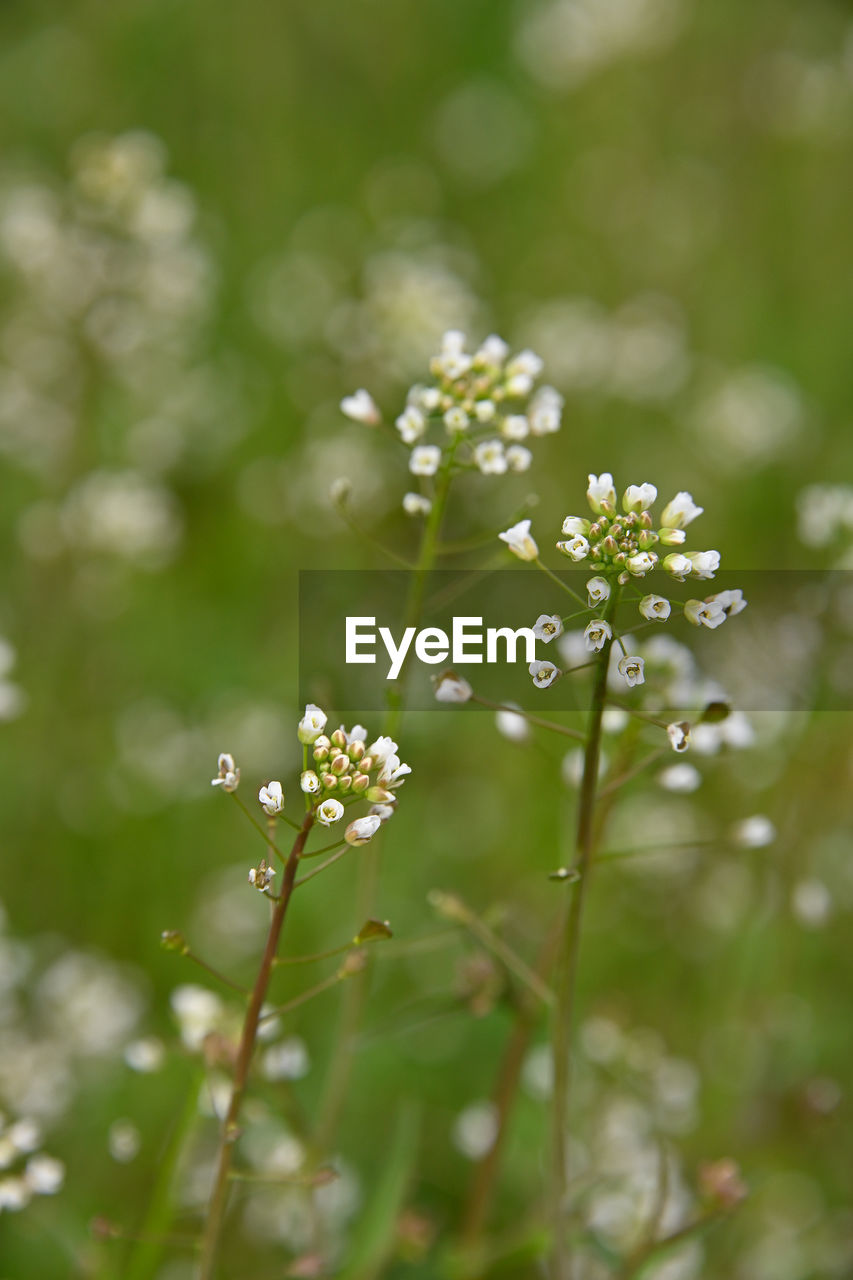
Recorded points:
355,996
567,963
231,1126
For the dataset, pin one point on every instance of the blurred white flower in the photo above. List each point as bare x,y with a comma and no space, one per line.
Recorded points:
682,779
490,459
811,903
511,724
415,504
753,833
475,1130
450,687
679,735
518,458
411,425
361,407
424,460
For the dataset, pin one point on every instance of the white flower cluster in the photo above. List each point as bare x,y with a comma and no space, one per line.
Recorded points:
346,770
26,1172
620,542
484,404
825,518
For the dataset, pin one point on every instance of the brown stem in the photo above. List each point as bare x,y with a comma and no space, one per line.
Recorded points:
231,1125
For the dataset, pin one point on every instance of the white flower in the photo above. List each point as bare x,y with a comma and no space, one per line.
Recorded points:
456,419
228,777
426,398
678,513
452,360
811,902
312,724
450,687
679,735
545,411
23,1136
543,673
519,541
411,424
490,458
704,613
704,563
518,458
547,627
44,1175
631,667
680,778
357,733
415,504
361,407
512,724
424,460
601,491
732,602
515,427
393,771
484,410
527,362
597,591
271,798
381,749
381,811
309,782
655,608
576,549
145,1055
362,829
754,832
641,563
596,635
575,527
677,566
639,497
329,811
261,875
14,1194
493,351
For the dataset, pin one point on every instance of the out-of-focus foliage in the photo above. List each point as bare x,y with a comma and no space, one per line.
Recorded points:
216,220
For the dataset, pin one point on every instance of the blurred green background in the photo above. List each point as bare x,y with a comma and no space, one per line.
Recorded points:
214,222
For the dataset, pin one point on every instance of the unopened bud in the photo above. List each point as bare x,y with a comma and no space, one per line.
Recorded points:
329,781
173,940
339,738
378,795
340,765
345,784
360,781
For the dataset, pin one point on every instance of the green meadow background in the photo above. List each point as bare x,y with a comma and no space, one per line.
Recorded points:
665,217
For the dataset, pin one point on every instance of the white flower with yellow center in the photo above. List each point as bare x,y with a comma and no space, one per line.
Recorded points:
312,724
631,668
596,634
490,459
411,425
330,811
425,460
547,627
655,608
597,591
518,458
271,798
543,673
576,549
601,492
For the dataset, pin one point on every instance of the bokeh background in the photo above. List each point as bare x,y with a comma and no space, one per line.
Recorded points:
214,222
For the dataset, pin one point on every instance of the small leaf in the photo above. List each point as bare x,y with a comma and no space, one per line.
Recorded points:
373,931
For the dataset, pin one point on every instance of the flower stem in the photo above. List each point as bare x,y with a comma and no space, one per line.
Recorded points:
567,962
231,1126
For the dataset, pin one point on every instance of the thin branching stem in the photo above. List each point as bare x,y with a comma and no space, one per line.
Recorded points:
550,725
231,1125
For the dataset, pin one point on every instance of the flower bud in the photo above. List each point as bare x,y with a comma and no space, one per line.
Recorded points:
309,782
321,753
356,750
329,781
339,738
340,765
366,763
360,782
378,795
345,784
362,829
173,940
